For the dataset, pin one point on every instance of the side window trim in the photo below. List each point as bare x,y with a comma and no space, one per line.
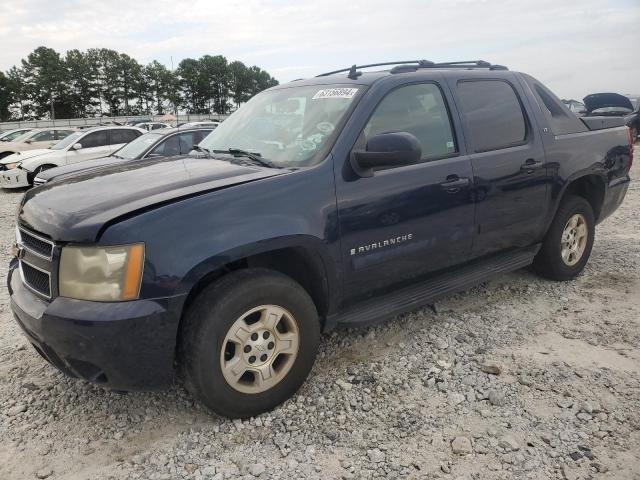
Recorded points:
525,114
452,126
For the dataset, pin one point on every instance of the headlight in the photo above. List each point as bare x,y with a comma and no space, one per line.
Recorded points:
11,166
103,274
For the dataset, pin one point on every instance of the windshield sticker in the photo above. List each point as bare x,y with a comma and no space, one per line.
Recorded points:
335,93
325,127
308,145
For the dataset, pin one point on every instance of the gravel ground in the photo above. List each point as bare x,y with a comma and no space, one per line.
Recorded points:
517,378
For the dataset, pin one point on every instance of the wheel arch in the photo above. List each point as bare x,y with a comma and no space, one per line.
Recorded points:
307,263
590,186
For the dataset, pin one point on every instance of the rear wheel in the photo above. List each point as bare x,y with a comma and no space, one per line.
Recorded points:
248,342
567,245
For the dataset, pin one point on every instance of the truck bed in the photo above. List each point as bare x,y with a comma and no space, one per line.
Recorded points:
600,123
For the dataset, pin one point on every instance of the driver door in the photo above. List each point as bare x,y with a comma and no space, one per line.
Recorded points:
405,222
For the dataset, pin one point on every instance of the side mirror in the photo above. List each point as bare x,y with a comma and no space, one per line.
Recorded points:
28,140
386,150
77,146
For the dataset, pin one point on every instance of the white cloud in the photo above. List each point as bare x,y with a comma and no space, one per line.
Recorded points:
576,47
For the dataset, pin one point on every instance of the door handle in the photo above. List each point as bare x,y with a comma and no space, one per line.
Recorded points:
453,184
530,165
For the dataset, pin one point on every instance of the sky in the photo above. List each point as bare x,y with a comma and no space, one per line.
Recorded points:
574,47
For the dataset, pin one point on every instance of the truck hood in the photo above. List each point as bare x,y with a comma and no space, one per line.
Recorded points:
77,209
26,155
603,100
66,171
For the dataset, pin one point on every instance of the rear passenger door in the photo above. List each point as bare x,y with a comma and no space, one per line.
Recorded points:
509,165
410,220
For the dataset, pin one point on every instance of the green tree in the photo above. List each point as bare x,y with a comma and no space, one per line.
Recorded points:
163,85
131,78
103,81
239,82
214,73
191,84
19,106
45,79
82,84
6,97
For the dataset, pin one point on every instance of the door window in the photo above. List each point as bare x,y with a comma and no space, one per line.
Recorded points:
62,134
123,136
493,114
45,136
417,109
168,148
95,139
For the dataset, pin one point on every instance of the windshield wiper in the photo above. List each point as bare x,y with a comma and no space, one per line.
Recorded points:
253,156
198,148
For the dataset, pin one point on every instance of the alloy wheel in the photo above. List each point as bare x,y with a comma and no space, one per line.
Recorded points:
259,349
574,239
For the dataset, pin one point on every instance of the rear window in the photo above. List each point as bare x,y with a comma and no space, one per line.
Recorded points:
493,114
559,117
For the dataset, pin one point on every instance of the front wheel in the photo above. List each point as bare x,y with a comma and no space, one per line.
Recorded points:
248,342
567,245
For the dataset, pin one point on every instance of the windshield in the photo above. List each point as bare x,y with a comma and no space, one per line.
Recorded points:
12,135
25,136
289,126
69,140
137,147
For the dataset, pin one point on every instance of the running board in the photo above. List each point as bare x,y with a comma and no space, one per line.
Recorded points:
416,296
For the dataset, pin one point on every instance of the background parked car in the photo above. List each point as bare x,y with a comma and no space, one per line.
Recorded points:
11,135
633,119
152,125
20,169
205,124
160,143
575,106
35,139
136,121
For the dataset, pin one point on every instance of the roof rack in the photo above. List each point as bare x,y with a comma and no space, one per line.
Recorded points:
413,65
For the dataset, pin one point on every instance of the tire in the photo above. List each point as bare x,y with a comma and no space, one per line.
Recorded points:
549,261
207,329
32,175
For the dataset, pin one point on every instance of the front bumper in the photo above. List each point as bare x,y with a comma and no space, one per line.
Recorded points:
14,178
123,345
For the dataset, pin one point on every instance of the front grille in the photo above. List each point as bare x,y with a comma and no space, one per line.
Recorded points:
37,280
36,244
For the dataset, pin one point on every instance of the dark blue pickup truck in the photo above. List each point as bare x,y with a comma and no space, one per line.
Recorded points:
338,200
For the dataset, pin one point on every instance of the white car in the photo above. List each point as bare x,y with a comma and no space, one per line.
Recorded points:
11,135
19,170
35,139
